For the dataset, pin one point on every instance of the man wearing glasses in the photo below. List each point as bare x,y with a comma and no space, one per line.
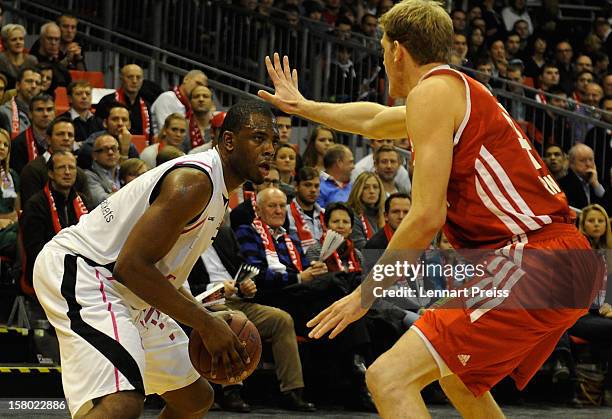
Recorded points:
103,177
49,52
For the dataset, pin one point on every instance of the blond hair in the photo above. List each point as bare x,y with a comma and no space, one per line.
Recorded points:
354,200
422,27
605,241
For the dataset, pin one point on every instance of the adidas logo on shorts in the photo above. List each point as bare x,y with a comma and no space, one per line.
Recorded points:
463,359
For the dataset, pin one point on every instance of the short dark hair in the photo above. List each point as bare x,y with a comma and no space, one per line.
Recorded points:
239,115
338,206
306,173
557,90
396,195
548,64
58,120
367,15
385,149
333,154
77,83
41,98
23,70
51,162
115,104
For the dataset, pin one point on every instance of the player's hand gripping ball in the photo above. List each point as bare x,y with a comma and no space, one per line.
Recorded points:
247,333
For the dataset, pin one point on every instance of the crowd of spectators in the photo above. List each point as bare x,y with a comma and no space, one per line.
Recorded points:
55,168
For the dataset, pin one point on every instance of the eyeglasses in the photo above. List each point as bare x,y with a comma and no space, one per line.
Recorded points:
114,149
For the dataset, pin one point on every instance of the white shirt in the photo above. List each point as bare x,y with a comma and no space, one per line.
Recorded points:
215,268
165,104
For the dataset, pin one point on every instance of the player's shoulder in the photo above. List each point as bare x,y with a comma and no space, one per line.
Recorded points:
439,86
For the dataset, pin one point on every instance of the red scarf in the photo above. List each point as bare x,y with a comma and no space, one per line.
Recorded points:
303,232
195,134
77,203
268,242
14,119
334,263
31,144
144,111
366,227
388,232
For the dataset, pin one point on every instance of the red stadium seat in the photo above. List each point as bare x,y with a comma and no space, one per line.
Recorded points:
61,100
140,142
95,78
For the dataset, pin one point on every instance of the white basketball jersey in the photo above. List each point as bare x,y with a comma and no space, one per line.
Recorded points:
101,234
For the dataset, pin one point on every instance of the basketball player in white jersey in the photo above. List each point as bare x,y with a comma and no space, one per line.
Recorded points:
112,285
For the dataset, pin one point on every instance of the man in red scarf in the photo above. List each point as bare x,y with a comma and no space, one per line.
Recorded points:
304,214
55,207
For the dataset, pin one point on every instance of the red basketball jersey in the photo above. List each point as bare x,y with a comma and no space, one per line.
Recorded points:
499,189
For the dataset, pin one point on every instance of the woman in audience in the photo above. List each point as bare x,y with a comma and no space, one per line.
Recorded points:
285,158
172,133
131,169
9,199
14,56
367,200
536,56
319,141
476,44
595,225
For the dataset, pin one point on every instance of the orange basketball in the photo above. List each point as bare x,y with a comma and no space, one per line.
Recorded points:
246,332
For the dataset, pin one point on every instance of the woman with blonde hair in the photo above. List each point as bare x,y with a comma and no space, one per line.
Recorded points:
594,223
9,198
321,138
14,57
172,134
367,200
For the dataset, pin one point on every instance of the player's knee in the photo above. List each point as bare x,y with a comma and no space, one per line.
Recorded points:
199,401
122,405
377,377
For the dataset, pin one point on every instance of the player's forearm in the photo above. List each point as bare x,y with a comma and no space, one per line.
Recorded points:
151,286
363,118
406,246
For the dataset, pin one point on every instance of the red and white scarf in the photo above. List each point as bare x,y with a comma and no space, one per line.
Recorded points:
367,228
14,119
388,232
271,255
334,263
144,111
303,231
31,144
195,135
77,203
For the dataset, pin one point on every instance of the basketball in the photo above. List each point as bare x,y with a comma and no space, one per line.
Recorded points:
246,332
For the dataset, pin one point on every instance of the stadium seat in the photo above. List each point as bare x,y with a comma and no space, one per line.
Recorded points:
61,101
140,142
95,78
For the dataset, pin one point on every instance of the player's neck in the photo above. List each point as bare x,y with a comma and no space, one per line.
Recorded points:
232,179
414,77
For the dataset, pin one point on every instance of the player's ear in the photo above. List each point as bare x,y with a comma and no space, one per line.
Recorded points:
228,140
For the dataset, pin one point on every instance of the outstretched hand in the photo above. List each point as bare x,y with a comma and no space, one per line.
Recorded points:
287,96
337,316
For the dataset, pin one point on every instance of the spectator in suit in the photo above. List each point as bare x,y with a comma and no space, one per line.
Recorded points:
58,205
221,262
48,51
71,51
33,142
581,184
556,161
336,179
397,206
367,200
117,124
103,177
34,175
141,121
14,114
14,57
85,123
304,214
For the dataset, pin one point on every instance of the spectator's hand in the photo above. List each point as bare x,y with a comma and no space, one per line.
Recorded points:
287,96
230,287
125,139
248,288
73,51
605,310
5,222
315,269
592,172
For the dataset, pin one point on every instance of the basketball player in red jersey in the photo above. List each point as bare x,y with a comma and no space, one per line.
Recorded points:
477,176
